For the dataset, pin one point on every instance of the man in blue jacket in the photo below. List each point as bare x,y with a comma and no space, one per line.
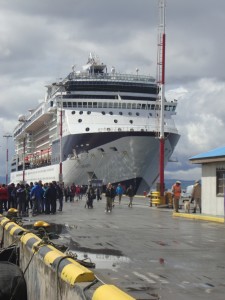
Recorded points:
119,192
36,195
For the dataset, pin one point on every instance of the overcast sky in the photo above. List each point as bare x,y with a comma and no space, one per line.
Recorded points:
41,40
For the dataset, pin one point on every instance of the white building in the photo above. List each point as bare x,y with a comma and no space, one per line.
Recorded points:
213,180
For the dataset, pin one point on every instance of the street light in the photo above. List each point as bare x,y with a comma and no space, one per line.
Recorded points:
7,136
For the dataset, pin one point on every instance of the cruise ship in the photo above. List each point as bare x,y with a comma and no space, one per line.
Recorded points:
95,124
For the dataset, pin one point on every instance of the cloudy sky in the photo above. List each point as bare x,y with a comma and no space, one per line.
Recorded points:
41,40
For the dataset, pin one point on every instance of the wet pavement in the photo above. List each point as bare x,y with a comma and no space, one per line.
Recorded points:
144,250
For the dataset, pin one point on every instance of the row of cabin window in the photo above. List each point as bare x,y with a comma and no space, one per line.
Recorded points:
115,121
110,113
117,105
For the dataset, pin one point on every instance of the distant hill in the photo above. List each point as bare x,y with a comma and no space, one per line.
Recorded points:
184,183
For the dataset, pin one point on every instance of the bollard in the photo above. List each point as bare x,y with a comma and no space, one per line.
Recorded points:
155,198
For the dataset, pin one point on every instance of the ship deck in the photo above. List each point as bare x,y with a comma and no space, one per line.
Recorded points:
144,250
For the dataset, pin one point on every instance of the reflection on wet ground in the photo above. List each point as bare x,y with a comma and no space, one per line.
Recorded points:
103,261
103,258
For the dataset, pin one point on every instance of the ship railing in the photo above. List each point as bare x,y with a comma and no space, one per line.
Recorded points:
111,76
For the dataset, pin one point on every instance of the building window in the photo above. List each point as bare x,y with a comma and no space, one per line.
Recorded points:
220,182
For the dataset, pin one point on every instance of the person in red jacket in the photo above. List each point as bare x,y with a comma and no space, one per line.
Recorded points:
4,197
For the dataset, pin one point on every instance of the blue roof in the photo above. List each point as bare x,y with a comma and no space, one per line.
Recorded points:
218,152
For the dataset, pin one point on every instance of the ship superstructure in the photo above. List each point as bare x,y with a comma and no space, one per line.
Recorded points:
95,124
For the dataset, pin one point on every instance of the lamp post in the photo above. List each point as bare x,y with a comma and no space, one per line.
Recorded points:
7,136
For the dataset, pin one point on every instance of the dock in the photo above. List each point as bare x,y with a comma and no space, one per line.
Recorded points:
147,252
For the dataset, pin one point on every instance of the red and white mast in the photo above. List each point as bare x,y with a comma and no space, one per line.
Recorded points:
161,84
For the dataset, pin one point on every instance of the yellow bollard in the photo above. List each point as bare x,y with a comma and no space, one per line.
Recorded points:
155,198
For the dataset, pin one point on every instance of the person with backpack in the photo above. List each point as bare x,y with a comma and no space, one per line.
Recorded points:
130,193
110,194
90,197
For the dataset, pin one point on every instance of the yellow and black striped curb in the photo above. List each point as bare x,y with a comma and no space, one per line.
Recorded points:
13,228
68,269
199,217
110,292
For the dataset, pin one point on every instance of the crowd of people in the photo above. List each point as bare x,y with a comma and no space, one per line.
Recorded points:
44,198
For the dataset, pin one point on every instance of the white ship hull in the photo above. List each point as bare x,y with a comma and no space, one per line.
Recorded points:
136,161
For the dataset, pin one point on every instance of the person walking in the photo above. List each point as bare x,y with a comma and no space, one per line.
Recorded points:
130,193
90,196
109,193
119,192
176,193
196,196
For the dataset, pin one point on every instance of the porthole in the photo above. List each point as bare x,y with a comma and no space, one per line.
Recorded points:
137,114
88,112
119,129
120,113
73,112
150,114
131,121
103,112
87,129
81,112
130,113
111,113
80,120
115,121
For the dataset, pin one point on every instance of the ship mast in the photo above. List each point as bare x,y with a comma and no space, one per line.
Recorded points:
161,84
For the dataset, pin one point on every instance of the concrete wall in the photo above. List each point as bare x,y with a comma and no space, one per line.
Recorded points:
211,203
49,273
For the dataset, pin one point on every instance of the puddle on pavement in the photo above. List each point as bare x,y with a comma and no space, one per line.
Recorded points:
103,261
104,258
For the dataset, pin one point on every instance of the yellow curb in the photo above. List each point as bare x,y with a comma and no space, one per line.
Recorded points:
199,217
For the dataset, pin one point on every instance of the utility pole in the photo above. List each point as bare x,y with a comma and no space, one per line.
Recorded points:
60,85
161,83
7,136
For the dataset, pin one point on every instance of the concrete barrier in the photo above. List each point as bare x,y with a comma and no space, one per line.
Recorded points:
49,273
110,292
